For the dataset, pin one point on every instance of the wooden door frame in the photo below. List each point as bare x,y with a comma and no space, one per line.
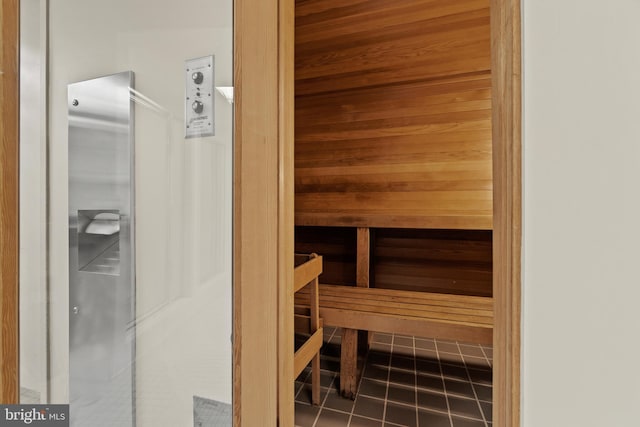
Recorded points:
263,213
506,72
277,55
9,200
506,63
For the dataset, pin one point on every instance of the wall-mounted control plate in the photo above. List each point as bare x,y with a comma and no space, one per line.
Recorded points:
199,111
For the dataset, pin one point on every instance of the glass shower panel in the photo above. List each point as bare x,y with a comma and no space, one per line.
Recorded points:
174,342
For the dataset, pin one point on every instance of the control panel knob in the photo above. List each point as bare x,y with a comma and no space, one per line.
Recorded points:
197,77
197,106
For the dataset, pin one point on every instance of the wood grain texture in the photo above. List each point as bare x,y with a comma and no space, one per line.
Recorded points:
363,263
302,323
9,201
305,275
286,13
445,316
457,317
259,239
306,272
345,45
338,248
314,312
363,276
444,261
307,352
415,326
393,114
348,361
507,159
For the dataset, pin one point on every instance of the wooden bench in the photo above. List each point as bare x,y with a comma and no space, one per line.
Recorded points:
423,314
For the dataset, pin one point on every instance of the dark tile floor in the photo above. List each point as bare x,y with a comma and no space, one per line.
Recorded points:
406,381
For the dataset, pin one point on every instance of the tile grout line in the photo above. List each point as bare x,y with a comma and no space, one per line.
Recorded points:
466,368
444,387
306,377
355,400
332,381
408,405
386,394
439,411
490,362
326,396
404,351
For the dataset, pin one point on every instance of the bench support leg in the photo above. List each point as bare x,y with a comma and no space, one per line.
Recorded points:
363,267
315,380
314,301
349,363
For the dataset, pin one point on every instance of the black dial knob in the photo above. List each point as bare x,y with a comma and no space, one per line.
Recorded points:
197,77
197,106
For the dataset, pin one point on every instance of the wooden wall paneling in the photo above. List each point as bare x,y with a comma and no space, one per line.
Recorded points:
386,160
376,147
507,160
259,217
444,261
337,245
9,201
343,46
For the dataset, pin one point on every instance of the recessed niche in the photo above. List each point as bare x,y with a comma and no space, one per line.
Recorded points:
99,241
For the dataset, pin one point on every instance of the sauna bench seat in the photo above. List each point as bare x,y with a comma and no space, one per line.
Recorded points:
422,314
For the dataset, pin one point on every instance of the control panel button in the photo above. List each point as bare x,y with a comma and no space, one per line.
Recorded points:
197,77
197,106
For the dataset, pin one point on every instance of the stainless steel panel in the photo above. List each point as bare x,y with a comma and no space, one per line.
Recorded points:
101,252
199,112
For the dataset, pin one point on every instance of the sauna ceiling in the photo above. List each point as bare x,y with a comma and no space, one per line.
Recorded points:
393,114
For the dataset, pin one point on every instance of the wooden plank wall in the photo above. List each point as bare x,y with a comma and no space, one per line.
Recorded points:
393,114
337,245
445,261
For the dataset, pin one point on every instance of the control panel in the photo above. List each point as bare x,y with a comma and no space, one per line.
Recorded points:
199,111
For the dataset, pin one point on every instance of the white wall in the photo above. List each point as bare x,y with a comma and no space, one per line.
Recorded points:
183,194
581,213
33,196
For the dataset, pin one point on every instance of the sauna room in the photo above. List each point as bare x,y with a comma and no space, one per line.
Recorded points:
393,213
